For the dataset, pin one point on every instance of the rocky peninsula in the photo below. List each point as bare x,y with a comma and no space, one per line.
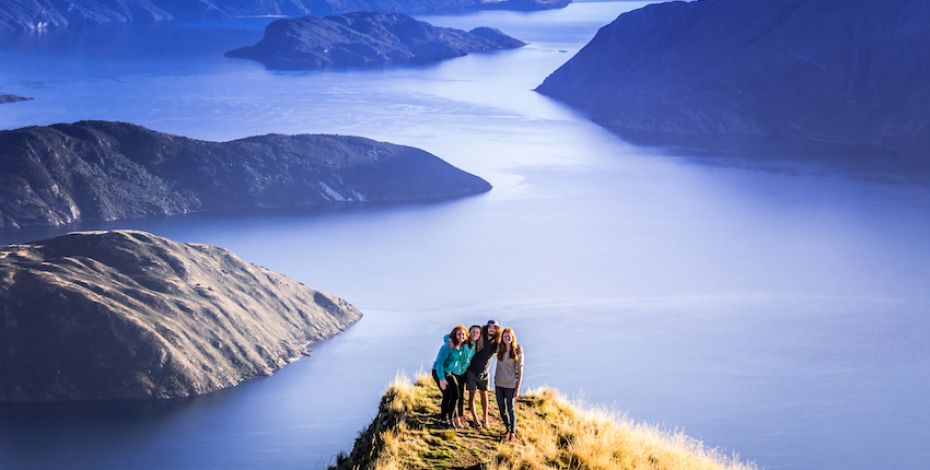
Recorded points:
366,39
129,315
850,72
101,170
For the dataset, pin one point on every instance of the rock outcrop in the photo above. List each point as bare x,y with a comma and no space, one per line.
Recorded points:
366,39
127,315
99,170
841,71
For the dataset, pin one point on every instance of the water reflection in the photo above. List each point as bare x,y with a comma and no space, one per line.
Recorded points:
781,314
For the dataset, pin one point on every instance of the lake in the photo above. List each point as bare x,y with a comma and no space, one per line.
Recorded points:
780,311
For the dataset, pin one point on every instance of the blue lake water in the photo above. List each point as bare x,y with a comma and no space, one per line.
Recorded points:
781,312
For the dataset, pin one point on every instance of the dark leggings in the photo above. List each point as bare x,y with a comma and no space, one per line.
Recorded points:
449,396
460,396
505,404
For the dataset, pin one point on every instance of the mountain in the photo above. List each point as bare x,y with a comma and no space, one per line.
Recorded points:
4,99
841,71
37,15
366,39
99,170
127,315
552,433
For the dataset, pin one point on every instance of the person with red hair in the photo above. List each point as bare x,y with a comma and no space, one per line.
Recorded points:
448,369
508,375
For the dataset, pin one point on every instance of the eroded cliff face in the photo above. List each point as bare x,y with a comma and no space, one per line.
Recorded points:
98,170
844,71
366,39
125,314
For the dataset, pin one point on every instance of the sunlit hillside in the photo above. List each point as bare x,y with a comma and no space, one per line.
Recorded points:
552,433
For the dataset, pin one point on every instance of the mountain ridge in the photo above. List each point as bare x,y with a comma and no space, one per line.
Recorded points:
130,315
366,39
43,15
102,170
848,72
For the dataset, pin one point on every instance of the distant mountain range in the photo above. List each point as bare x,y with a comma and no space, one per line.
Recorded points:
840,71
32,15
100,170
4,99
366,39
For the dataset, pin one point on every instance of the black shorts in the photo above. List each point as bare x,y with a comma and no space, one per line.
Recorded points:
474,381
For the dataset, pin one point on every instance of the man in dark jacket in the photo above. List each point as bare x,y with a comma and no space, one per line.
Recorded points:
477,375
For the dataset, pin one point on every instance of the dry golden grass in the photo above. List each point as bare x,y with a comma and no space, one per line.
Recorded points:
552,433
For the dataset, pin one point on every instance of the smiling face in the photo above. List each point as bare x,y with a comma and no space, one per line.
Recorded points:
507,338
492,331
475,333
460,336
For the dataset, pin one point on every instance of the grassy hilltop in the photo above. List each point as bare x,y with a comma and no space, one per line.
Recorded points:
552,433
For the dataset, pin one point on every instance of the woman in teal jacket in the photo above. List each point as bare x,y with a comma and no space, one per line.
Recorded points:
449,374
461,369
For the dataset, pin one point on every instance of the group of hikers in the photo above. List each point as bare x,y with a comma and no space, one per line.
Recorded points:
464,363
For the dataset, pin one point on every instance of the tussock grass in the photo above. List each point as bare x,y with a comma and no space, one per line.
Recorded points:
552,433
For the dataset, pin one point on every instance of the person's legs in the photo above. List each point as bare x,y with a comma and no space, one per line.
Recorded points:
460,398
449,399
442,401
471,405
471,385
447,405
484,407
511,412
481,383
502,407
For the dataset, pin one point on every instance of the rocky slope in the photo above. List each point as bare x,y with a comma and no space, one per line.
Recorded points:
845,71
98,170
551,433
114,315
366,39
36,15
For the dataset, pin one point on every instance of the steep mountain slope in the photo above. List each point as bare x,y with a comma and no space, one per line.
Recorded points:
845,71
107,315
98,170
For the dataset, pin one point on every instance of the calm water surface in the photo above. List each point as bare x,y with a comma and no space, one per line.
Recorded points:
781,313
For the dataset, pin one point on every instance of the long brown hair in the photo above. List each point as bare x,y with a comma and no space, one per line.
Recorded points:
467,335
514,349
474,343
486,336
